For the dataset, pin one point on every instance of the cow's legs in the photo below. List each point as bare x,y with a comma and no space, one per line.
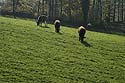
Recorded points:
45,24
81,39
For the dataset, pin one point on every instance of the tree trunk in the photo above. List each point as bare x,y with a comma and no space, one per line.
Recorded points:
100,6
43,6
14,9
85,9
56,9
50,12
93,12
69,10
52,9
114,13
61,8
38,7
118,10
122,10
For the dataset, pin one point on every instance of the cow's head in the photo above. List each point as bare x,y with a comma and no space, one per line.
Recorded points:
36,20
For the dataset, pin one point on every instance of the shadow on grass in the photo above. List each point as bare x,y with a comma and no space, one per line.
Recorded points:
110,28
115,28
86,44
59,33
44,26
109,31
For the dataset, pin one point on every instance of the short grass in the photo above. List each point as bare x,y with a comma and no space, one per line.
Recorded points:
32,54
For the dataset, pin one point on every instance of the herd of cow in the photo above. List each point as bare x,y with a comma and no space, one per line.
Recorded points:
81,29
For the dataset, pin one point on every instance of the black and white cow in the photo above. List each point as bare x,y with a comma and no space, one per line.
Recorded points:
42,19
81,32
89,25
57,25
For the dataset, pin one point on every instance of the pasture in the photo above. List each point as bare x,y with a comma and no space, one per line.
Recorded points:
33,54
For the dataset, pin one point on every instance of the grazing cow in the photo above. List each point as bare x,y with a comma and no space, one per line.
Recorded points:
41,19
89,25
57,26
81,32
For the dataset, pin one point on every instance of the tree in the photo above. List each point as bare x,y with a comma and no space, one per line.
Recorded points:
118,10
122,10
38,7
97,11
70,2
85,9
114,11
14,13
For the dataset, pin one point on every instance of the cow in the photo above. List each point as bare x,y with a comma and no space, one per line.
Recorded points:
89,25
57,25
42,19
81,32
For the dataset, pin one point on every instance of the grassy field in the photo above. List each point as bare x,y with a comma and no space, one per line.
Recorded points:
32,54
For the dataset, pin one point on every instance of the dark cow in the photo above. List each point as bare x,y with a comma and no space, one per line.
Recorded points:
81,32
57,26
41,19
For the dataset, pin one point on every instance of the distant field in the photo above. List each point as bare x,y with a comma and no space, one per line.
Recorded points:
32,54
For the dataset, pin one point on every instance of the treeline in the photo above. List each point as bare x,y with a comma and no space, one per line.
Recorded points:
73,12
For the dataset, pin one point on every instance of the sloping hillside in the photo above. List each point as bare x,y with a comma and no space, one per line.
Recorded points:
39,55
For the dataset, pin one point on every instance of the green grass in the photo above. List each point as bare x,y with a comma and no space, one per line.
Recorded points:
32,54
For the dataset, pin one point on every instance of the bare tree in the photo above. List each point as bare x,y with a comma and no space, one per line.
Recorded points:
85,9
38,7
114,13
118,10
122,10
14,14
